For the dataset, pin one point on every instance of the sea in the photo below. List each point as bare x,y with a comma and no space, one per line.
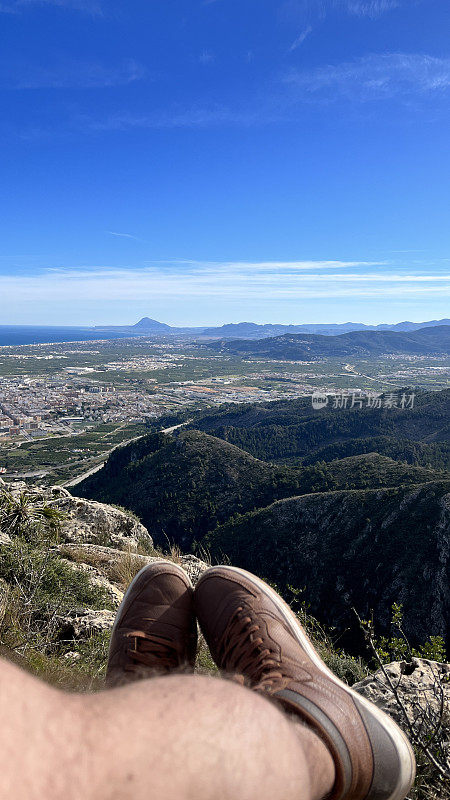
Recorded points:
14,335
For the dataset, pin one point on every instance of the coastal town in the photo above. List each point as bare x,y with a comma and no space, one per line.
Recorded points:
33,407
59,390
65,407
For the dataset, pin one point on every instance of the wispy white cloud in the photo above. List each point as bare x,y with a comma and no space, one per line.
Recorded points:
274,267
313,10
262,282
92,7
301,38
371,8
123,235
410,79
190,117
72,75
375,76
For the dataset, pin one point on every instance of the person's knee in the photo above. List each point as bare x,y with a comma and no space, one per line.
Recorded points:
236,739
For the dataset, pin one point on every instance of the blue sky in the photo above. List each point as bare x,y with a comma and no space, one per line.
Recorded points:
210,161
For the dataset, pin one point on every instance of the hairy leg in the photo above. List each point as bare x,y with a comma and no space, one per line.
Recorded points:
178,737
42,754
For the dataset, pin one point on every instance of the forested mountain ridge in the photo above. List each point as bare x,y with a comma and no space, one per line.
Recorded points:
182,485
251,330
372,470
185,483
291,430
354,549
310,346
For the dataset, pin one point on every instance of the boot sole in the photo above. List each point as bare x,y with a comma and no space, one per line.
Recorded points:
404,750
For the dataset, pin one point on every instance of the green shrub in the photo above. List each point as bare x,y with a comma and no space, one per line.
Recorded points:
396,647
46,582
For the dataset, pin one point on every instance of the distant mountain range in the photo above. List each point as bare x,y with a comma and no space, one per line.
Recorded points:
310,347
251,330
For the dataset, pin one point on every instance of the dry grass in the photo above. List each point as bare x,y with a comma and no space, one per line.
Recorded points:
83,675
204,554
79,555
122,570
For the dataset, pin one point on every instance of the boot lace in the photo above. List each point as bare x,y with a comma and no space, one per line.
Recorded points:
242,649
150,650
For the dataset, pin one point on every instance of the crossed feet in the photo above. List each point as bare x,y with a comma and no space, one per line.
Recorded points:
253,634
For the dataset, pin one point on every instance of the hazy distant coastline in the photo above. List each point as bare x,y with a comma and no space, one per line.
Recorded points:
14,335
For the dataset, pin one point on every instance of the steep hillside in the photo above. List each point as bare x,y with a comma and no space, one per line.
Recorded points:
293,429
310,346
362,549
370,470
364,530
182,485
419,453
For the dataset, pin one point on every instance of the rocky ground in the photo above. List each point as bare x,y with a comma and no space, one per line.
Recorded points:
105,543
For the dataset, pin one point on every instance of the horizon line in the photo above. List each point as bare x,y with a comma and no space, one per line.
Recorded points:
179,326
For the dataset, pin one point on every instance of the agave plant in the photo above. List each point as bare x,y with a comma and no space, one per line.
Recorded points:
23,514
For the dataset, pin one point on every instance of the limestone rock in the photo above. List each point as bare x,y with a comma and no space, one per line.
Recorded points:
72,656
421,686
107,560
59,491
83,624
99,554
87,622
96,578
87,521
90,522
194,567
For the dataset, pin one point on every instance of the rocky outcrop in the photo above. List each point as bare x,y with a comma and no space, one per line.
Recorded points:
98,579
112,569
105,567
102,543
421,685
84,624
417,696
86,521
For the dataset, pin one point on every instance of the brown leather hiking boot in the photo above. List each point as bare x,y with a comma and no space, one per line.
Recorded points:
251,631
155,628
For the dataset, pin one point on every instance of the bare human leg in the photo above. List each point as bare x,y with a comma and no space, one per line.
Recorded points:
178,737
